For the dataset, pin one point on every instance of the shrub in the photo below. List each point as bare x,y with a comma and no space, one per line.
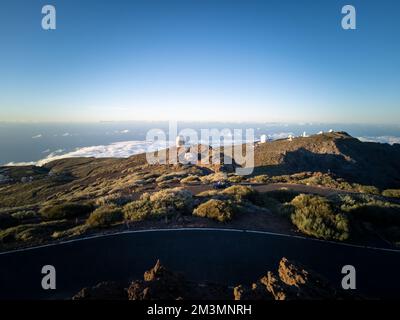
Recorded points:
104,216
137,210
21,215
192,179
391,193
214,177
31,232
366,189
65,211
314,215
72,232
326,180
114,198
177,198
171,176
240,193
161,203
260,179
370,209
236,179
208,193
215,209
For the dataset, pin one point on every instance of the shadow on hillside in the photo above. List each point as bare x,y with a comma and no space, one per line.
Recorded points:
377,167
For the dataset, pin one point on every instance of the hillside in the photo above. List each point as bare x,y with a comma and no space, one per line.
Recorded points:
77,179
344,181
337,153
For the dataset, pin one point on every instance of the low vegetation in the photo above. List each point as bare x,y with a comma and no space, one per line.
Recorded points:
371,209
214,177
235,178
324,180
118,199
105,216
240,193
35,233
23,215
65,211
159,204
315,216
391,193
192,179
263,178
219,210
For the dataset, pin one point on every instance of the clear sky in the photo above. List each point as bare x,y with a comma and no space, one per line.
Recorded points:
229,60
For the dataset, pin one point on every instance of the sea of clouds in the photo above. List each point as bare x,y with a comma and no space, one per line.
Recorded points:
382,139
122,149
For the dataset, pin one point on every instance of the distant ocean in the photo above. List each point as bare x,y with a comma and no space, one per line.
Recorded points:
36,143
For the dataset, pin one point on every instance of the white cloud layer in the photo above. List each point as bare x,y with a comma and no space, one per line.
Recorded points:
381,139
122,149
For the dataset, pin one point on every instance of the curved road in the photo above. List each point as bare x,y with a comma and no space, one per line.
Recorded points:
224,256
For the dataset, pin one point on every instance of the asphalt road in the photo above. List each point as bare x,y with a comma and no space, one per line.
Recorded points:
229,257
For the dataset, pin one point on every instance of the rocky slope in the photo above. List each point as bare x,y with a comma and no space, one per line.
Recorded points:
291,282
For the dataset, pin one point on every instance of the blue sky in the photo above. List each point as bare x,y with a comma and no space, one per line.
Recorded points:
207,60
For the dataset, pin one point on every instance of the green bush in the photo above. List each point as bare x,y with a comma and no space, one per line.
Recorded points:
369,208
366,189
314,215
214,177
138,210
391,193
192,179
32,232
162,203
172,176
65,211
118,199
208,193
260,179
240,193
22,215
219,210
104,216
236,179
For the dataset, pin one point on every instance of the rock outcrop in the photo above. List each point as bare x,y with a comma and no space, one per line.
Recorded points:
292,282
